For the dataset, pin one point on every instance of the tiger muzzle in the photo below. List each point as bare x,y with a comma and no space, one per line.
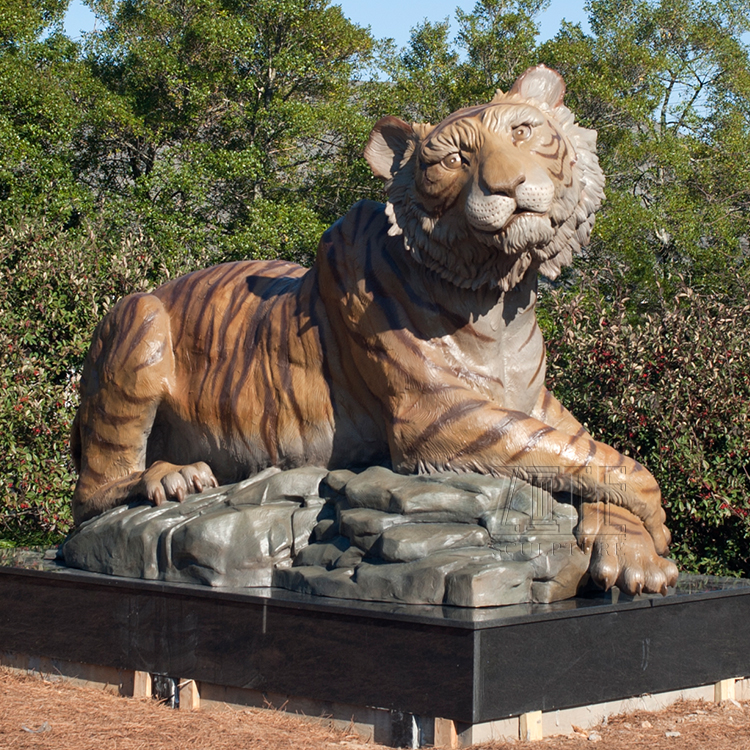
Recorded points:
491,212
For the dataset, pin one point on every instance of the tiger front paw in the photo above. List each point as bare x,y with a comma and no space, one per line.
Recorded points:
622,551
163,481
660,534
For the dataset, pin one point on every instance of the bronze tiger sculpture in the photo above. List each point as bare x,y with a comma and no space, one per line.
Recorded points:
411,341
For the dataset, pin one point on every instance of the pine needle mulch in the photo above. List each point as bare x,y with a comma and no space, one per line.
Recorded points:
51,714
57,715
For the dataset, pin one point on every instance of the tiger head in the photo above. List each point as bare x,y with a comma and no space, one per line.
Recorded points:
494,190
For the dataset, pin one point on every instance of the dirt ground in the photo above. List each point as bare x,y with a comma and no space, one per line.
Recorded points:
55,715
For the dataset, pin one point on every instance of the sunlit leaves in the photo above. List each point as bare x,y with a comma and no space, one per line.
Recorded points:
666,84
221,103
672,389
499,37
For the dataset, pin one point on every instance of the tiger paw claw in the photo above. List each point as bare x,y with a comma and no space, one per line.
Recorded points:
164,481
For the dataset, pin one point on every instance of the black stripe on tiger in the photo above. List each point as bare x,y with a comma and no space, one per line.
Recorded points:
283,363
116,420
147,323
529,338
420,302
107,445
179,297
93,476
269,420
449,417
546,401
135,400
320,328
383,354
237,301
558,155
492,435
251,350
228,279
531,442
590,455
393,313
126,315
538,368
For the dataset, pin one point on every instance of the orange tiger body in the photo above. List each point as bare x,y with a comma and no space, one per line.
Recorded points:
411,341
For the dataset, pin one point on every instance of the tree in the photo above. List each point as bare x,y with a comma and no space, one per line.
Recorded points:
665,84
42,82
221,117
434,76
499,37
423,85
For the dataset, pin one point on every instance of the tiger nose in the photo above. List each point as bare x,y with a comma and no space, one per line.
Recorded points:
501,175
525,183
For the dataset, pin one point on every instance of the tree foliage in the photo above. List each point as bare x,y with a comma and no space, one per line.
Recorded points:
220,114
435,75
186,132
665,84
40,77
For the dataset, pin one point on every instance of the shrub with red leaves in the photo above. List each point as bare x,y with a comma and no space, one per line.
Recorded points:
671,388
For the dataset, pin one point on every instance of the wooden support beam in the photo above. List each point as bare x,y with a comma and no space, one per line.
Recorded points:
445,733
530,726
724,690
142,687
190,698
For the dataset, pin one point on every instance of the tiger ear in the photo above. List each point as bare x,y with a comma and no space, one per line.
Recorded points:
540,83
389,141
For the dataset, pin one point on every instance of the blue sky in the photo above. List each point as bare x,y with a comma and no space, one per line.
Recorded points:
395,18
386,18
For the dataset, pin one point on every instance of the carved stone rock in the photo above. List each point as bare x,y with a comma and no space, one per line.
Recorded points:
416,541
466,540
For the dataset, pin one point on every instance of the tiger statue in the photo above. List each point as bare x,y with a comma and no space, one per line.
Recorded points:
412,341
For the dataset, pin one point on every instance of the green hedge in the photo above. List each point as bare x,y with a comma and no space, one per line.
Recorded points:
672,389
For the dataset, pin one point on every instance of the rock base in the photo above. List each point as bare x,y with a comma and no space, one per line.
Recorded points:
466,540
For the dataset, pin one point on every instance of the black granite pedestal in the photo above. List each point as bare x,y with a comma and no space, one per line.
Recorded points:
470,666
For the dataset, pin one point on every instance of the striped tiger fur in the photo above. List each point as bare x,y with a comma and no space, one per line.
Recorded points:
411,341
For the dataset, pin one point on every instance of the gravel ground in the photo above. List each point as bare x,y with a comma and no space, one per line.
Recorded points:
56,715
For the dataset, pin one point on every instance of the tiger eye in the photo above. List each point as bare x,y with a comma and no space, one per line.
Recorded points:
521,133
452,161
